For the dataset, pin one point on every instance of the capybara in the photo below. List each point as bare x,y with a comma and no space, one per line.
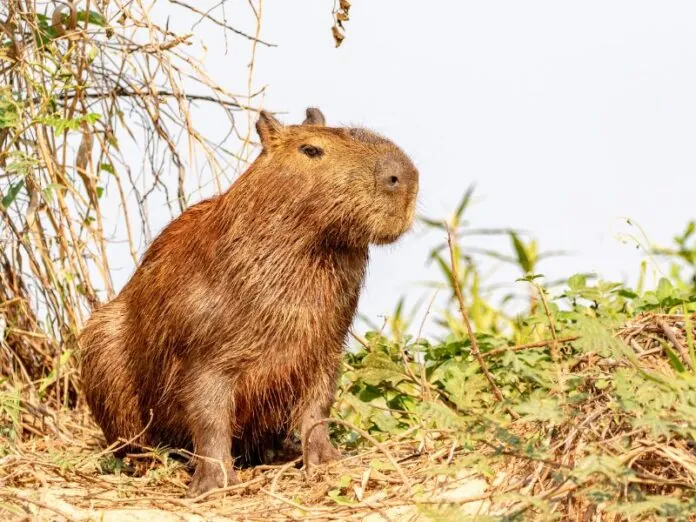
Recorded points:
232,327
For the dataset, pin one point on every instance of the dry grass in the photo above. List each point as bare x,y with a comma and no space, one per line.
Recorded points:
58,468
50,477
100,132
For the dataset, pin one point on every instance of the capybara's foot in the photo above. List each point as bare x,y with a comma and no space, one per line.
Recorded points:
321,451
210,475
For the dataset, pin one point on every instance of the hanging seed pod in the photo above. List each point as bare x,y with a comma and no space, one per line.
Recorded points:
340,15
337,35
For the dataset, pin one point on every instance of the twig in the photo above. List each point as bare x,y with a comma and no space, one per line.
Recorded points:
673,339
227,489
361,341
281,471
291,503
427,312
42,505
548,462
222,24
465,316
555,354
125,93
123,443
536,344
423,377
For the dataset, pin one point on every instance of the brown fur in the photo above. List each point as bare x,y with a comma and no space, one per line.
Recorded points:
232,327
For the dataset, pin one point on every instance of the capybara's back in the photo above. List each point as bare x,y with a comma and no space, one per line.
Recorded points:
233,325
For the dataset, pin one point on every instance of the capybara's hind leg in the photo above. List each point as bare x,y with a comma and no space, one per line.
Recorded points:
114,404
107,378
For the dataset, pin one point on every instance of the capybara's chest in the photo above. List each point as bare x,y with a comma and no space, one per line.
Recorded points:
252,315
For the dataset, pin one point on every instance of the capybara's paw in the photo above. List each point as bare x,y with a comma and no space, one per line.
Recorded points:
321,452
210,476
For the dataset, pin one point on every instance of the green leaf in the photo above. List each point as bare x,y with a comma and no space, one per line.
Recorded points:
92,17
541,408
601,384
463,204
335,495
10,110
12,194
434,223
90,118
344,481
440,416
61,124
674,360
399,309
523,258
606,465
51,377
45,34
595,337
643,507
107,167
529,278
628,294
48,191
577,282
378,368
385,422
665,290
381,465
446,270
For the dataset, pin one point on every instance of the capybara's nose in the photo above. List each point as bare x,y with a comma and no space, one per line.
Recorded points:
395,174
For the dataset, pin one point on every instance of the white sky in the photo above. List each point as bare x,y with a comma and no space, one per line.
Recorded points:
568,116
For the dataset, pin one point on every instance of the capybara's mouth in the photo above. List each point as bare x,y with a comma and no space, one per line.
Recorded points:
401,225
386,239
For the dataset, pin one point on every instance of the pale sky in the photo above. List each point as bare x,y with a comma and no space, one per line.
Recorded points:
569,116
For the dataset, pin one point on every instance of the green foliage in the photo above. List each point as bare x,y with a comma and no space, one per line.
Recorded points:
10,410
682,256
10,109
45,33
614,388
12,193
61,124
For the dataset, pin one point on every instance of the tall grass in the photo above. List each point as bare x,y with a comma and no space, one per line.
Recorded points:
82,86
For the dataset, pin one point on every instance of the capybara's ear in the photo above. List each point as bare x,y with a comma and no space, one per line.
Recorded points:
314,117
268,128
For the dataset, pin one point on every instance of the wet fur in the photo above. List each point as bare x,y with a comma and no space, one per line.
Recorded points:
235,320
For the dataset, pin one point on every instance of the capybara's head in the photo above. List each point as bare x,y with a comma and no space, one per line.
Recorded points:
360,188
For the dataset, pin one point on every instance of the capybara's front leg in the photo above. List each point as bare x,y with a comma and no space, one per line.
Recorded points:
211,430
213,464
317,441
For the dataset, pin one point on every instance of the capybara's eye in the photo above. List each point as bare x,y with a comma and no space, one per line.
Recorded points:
311,151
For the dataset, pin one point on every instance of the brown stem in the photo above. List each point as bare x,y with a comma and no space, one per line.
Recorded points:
673,339
536,344
555,353
465,317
